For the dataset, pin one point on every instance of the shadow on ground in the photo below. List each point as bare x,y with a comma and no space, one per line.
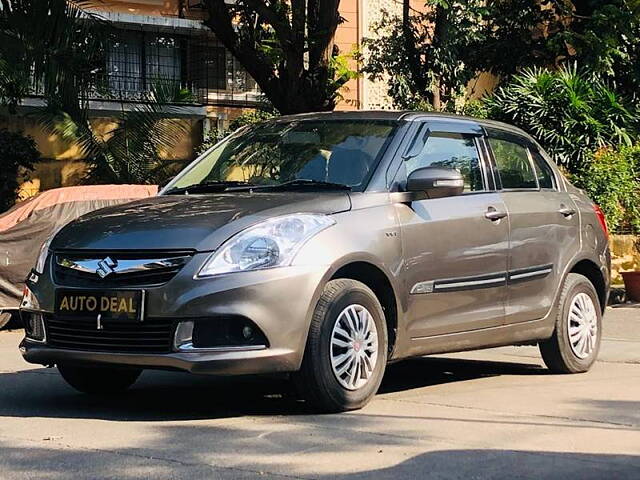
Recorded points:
162,396
467,464
442,464
280,436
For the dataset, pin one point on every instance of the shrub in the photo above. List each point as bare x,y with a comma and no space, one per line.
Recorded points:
17,152
569,112
612,180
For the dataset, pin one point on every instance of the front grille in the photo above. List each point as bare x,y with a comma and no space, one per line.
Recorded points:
151,336
157,274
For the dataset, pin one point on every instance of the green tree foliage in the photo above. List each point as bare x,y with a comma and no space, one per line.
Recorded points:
56,49
130,152
570,113
287,47
603,36
49,47
611,177
430,57
18,154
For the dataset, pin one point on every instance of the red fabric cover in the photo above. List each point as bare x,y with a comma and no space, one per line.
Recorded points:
24,228
57,196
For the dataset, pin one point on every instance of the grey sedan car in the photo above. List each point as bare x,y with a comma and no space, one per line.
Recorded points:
326,246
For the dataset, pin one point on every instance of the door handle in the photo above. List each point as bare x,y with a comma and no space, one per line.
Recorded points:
566,211
494,215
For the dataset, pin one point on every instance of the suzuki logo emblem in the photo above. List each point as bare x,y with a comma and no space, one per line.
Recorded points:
106,267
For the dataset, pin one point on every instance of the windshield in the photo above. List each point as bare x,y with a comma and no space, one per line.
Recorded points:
295,154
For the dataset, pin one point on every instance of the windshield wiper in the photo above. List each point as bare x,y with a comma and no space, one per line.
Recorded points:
207,187
305,182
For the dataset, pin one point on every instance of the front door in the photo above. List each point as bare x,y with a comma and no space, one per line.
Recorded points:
455,248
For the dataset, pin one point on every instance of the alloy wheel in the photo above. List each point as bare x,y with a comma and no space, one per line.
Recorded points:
354,347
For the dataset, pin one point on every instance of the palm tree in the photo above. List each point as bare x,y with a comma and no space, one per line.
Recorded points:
56,49
130,152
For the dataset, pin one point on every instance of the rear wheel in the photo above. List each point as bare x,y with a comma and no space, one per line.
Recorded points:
575,343
99,380
346,351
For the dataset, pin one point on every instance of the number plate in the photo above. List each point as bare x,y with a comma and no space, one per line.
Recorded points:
119,305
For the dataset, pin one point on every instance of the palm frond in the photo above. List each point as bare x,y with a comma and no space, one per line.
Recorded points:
569,111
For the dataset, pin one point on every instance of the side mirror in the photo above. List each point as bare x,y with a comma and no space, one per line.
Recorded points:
436,182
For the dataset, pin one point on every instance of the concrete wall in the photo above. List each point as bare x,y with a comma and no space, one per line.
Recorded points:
62,163
625,255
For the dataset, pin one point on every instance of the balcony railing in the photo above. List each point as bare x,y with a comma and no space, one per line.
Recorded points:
131,89
136,61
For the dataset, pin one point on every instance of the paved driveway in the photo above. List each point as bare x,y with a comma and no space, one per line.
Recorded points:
490,414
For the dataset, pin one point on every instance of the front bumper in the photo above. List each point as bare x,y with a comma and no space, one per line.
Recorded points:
280,302
268,360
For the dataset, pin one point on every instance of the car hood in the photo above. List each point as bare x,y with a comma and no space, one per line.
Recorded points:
188,222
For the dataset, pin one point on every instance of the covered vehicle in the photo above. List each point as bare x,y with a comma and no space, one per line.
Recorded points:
25,227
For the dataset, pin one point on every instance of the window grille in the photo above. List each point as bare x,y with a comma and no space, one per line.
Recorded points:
136,59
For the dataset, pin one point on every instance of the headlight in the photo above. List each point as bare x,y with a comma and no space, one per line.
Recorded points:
44,252
269,244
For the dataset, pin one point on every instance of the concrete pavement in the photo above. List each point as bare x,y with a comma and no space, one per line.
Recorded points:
490,414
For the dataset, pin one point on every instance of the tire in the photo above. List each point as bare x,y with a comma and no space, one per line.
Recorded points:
320,383
99,380
561,353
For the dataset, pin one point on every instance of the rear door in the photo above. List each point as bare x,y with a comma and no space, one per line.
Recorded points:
455,248
544,225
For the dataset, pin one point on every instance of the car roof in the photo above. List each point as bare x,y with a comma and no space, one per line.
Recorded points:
406,115
348,115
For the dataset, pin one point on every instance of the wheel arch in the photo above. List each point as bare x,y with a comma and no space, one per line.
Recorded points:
588,268
378,281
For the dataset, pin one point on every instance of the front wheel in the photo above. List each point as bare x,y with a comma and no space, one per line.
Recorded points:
575,343
99,380
346,351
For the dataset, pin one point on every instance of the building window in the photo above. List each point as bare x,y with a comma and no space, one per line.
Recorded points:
238,79
136,59
124,62
163,58
207,66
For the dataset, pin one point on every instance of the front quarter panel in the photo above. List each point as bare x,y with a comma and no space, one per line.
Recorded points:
368,233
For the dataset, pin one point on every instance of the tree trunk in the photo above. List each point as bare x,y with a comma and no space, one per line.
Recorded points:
291,85
437,101
413,56
441,31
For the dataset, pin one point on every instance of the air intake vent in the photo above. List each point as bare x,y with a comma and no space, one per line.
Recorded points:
150,336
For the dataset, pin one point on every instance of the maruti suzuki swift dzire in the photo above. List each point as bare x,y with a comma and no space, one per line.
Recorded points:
326,246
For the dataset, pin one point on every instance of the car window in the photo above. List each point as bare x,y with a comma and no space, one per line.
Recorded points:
272,153
451,150
546,178
514,165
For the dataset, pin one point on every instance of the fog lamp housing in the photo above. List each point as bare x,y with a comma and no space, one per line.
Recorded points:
218,333
183,339
34,326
